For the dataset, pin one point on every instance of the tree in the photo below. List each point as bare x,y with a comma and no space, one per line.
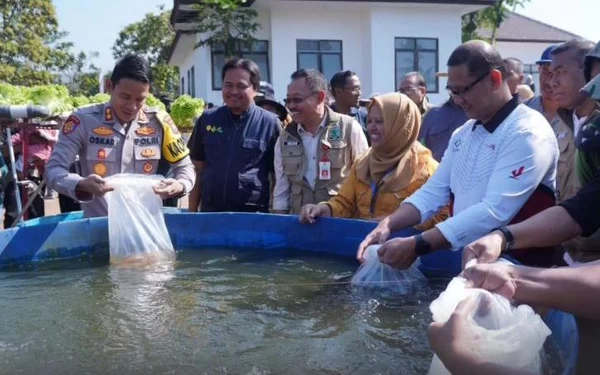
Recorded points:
151,37
226,23
490,18
31,46
81,76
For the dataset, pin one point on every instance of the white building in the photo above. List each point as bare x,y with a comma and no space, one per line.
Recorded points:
526,39
379,40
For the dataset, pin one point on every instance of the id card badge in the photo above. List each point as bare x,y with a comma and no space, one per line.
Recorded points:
324,170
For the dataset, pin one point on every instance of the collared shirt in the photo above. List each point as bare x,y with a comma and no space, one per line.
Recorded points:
499,116
310,142
238,156
577,122
489,173
438,125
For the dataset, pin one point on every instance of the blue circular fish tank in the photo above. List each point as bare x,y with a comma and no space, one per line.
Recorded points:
70,236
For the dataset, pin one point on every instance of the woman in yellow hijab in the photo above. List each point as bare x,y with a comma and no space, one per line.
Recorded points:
394,168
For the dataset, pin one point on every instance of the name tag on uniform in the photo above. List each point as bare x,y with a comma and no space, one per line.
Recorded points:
324,170
291,143
561,135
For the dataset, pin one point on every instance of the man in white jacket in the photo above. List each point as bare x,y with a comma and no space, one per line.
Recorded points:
499,168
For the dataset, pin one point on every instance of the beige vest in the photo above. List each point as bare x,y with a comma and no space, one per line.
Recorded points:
335,147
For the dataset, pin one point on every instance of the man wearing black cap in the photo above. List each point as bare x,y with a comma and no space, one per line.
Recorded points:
265,98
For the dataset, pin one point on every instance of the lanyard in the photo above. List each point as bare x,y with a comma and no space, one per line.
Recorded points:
375,190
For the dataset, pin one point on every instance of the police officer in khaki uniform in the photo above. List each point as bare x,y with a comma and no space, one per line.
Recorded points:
315,153
121,136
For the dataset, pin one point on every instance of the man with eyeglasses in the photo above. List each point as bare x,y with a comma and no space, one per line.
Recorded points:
414,86
346,90
315,153
499,168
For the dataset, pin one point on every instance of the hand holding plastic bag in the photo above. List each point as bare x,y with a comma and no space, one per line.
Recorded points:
136,225
498,332
375,274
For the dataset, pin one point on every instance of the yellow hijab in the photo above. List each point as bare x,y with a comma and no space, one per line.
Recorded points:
400,152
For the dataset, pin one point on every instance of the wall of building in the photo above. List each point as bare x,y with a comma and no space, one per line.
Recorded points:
367,32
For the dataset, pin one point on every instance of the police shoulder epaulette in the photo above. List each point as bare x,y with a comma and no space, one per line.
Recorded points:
152,109
89,109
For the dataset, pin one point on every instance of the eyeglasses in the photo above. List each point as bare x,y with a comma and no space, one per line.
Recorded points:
405,90
298,100
460,92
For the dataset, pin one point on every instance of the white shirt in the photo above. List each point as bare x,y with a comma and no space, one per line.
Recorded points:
492,175
577,122
310,142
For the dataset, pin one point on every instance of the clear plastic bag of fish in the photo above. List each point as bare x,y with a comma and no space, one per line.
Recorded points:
377,275
136,225
507,335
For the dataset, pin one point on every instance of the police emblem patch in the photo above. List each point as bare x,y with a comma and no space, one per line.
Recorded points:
100,169
71,124
148,167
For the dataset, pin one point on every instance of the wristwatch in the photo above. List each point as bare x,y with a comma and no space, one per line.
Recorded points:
422,247
509,239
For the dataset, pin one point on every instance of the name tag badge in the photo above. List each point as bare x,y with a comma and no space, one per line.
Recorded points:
324,170
562,135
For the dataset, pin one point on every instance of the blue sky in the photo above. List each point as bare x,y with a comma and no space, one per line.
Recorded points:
93,25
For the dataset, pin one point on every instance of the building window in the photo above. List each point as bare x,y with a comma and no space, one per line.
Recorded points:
182,88
418,54
257,52
189,82
193,75
323,55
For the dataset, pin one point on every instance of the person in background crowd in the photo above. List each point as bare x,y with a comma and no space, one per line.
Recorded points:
414,86
395,166
544,102
232,147
120,136
314,154
529,82
499,167
514,74
579,162
439,124
265,98
346,90
525,93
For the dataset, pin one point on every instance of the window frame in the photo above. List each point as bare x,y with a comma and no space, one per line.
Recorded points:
216,52
415,52
321,53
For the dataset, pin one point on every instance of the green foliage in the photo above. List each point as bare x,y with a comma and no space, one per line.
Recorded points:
185,110
490,18
79,101
153,102
99,98
31,50
151,37
226,23
55,97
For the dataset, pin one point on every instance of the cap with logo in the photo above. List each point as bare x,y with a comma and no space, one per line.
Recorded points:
547,55
266,95
593,55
